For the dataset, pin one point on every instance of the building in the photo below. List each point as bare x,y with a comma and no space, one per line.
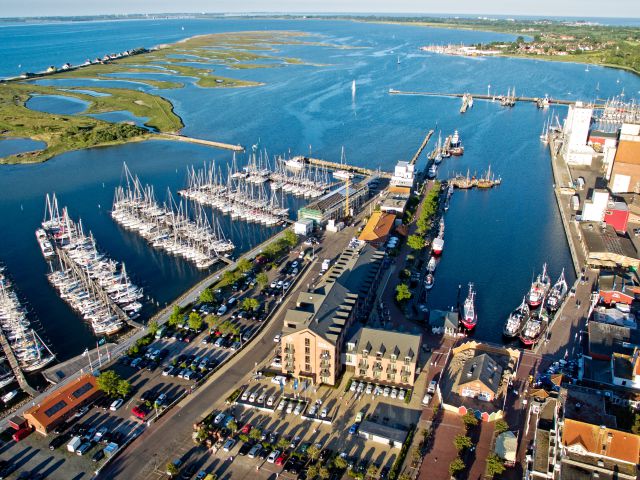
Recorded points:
62,403
331,206
605,339
384,434
617,287
604,247
625,369
383,356
303,227
576,133
542,463
403,175
377,230
600,443
507,447
617,215
444,322
625,174
594,208
314,331
480,378
396,200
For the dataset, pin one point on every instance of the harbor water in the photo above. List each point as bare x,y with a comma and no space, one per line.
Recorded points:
497,239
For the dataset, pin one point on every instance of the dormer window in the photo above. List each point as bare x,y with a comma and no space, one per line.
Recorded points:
365,353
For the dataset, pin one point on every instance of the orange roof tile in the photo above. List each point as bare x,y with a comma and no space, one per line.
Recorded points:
602,441
378,227
628,152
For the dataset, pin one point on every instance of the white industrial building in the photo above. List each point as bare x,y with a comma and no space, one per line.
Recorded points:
403,175
576,133
594,208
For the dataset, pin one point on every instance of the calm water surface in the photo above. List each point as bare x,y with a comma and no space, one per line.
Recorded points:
496,239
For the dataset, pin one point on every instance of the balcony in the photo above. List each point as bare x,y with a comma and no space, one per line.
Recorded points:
363,372
363,364
289,350
377,367
325,372
325,355
392,370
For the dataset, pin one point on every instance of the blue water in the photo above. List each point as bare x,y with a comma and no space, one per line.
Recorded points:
57,104
121,116
11,146
496,239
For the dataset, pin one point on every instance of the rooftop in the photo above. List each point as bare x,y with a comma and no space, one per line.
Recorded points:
378,227
586,405
482,368
605,338
601,441
387,343
606,247
327,308
625,282
628,152
384,431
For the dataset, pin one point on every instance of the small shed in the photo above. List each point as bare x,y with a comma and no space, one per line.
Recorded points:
303,226
507,447
17,422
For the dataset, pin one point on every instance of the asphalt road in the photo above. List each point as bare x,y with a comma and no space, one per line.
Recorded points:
167,439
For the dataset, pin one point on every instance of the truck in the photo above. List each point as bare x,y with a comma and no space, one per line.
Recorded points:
73,444
325,265
575,203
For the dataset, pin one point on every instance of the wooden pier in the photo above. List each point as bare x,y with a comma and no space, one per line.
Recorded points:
493,98
422,147
92,284
342,166
13,362
199,141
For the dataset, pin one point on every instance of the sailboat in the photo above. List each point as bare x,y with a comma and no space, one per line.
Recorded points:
353,89
398,59
342,174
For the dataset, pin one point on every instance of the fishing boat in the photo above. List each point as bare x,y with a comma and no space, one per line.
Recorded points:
438,245
433,171
539,288
428,281
431,266
534,328
45,244
516,321
469,317
294,163
557,294
441,227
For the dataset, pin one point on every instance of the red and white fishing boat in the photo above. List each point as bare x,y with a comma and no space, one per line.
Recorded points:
539,288
469,318
438,245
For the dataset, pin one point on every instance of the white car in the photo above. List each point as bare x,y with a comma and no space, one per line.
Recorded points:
261,398
313,410
386,391
401,394
432,386
116,404
273,455
274,284
282,405
245,395
323,413
277,338
290,407
394,393
286,285
360,387
298,409
353,386
252,397
222,310
369,389
426,400
219,418
270,400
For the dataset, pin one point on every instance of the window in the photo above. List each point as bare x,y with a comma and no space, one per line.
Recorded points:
307,342
307,350
307,359
51,411
365,353
82,390
407,360
307,367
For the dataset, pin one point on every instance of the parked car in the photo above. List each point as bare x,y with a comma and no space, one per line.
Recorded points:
99,455
426,400
281,459
323,413
84,448
116,404
228,445
432,386
255,451
354,429
59,441
246,429
270,400
273,456
219,418
222,310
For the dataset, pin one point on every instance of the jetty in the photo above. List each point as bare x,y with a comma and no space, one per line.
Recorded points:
199,141
342,166
492,98
13,362
421,147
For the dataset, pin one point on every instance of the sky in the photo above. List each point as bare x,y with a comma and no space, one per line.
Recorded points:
574,8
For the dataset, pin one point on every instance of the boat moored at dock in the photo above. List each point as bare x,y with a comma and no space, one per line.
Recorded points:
469,317
539,288
516,321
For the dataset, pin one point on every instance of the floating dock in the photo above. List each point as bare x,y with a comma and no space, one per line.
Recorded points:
13,362
422,147
341,166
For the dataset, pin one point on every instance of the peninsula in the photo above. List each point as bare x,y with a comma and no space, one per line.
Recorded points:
189,60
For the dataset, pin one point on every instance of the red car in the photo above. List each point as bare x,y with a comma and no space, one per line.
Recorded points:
24,432
140,411
281,459
246,429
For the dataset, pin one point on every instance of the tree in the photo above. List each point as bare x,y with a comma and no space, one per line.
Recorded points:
462,441
290,238
340,463
405,476
402,292
262,279
175,317
323,473
212,320
153,327
108,382
501,426
172,470
416,455
244,265
312,471
250,304
283,443
415,241
469,420
456,466
233,427
207,296
313,452
123,388
372,471
495,466
255,434
195,321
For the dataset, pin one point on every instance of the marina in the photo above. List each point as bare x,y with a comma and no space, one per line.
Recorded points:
91,283
169,227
